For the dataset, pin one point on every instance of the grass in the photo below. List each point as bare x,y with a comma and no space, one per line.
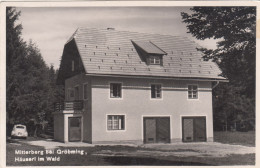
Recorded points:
237,138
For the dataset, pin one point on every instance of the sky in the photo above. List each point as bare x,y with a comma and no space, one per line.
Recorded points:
51,27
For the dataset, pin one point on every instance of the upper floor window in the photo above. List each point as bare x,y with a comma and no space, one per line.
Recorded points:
71,92
76,94
192,91
68,93
85,92
155,60
115,122
115,90
156,91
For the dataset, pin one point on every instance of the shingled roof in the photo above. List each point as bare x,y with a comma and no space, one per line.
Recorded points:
111,52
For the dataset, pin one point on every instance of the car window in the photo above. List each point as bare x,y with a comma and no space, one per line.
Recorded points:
22,127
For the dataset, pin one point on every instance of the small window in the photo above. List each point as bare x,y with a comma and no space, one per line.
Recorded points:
85,94
21,127
156,91
71,92
115,90
192,91
72,65
155,60
68,93
74,122
115,122
76,94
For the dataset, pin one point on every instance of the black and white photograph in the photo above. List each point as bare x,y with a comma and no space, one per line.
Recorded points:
129,84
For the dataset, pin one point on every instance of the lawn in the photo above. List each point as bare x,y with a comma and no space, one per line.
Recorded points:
238,138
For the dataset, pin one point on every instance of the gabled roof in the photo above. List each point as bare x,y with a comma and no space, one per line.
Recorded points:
111,52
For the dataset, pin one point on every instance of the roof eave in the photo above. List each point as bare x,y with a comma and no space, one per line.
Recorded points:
158,77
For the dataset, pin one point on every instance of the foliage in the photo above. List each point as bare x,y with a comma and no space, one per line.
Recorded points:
235,30
31,89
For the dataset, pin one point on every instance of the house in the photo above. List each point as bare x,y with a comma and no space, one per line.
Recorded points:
129,87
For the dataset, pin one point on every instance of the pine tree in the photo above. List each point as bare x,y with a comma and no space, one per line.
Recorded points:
31,89
15,54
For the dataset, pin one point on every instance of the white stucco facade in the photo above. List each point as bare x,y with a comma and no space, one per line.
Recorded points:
135,104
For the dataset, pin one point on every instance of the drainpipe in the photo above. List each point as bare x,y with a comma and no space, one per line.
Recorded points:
215,85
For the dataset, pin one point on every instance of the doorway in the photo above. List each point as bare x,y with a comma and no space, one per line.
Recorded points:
156,129
74,129
194,129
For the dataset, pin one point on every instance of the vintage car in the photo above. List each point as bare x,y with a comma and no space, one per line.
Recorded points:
19,131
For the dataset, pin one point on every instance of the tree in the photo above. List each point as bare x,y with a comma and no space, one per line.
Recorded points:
55,93
15,53
235,30
31,89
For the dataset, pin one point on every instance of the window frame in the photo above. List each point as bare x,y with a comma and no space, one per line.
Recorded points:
78,97
121,91
68,94
192,92
152,60
71,93
116,130
161,95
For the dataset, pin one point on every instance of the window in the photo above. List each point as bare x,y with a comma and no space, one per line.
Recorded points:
74,121
155,60
76,92
115,90
68,94
192,91
72,65
85,92
115,122
156,91
71,92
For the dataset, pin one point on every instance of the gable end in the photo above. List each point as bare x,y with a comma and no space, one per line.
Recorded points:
71,63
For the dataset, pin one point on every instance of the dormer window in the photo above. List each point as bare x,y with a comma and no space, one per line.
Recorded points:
155,60
149,52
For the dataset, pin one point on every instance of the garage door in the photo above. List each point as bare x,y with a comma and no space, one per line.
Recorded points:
156,129
194,129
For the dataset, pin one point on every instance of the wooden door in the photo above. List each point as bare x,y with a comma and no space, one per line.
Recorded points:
163,130
200,129
149,130
156,130
74,129
194,129
188,129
